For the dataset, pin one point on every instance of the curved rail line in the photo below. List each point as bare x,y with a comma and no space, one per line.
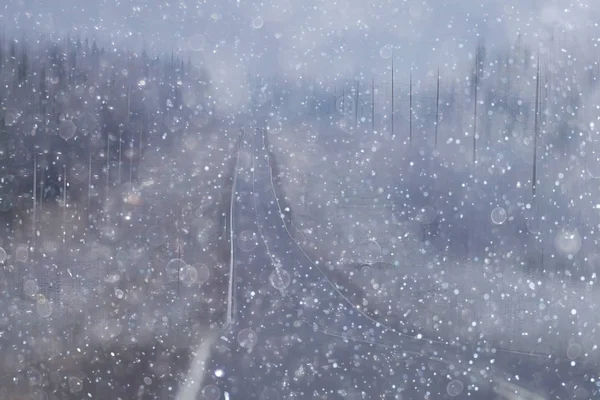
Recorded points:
494,381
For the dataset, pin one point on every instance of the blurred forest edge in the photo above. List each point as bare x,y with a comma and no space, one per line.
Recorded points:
481,181
114,169
515,135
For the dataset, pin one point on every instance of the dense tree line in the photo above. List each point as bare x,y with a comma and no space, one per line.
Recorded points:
77,120
92,187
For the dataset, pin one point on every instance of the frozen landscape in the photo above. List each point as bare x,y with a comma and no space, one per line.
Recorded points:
299,201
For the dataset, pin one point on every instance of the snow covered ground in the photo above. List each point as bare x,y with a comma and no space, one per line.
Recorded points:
425,259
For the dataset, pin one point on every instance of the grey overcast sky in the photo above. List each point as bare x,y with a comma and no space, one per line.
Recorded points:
325,38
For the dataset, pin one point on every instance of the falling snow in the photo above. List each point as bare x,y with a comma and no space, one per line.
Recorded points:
295,200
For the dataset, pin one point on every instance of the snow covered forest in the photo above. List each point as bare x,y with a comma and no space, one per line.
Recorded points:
100,150
456,201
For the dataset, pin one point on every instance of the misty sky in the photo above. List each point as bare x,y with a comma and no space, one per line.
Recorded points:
323,39
308,37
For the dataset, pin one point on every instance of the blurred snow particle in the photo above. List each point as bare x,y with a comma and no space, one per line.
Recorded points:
202,273
174,269
30,287
156,235
247,240
574,351
247,338
22,254
75,384
211,392
568,241
280,279
426,215
67,129
386,52
454,388
43,308
257,23
498,215
188,275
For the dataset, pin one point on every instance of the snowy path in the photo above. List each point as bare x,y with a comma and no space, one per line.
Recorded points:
291,332
289,329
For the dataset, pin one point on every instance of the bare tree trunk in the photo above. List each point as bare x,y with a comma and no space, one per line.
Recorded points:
343,103
120,154
373,105
437,108
410,109
89,192
64,240
392,93
34,219
356,105
535,131
334,99
476,83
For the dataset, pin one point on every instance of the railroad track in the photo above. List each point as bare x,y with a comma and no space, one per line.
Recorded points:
281,244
